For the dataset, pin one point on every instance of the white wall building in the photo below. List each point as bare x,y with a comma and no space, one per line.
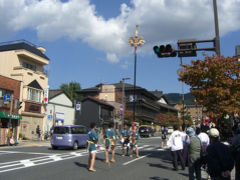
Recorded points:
59,109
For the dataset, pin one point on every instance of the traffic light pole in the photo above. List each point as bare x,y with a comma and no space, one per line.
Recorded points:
217,41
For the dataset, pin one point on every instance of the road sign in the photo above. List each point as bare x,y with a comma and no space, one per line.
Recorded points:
78,106
45,96
7,97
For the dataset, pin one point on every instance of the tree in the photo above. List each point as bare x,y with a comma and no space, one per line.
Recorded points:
167,119
71,89
215,83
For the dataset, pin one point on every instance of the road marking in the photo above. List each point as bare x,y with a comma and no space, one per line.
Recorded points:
148,149
126,163
50,158
27,163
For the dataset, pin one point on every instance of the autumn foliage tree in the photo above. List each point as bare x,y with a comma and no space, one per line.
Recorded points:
167,119
215,83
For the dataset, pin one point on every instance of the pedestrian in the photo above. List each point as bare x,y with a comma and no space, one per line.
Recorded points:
236,152
219,158
110,141
134,141
124,135
185,145
194,154
164,137
175,143
92,141
204,139
38,132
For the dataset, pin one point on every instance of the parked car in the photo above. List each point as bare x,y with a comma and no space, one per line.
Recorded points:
73,136
146,131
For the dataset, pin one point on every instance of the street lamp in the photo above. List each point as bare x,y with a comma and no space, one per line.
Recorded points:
135,41
123,98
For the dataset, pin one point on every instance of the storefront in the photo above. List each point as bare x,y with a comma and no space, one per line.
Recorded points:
9,124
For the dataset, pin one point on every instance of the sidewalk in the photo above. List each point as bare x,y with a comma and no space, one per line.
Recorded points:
28,143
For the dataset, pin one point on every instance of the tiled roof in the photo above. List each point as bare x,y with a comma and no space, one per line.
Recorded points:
21,44
54,93
97,101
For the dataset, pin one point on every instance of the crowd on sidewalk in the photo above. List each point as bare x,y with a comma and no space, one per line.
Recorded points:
201,150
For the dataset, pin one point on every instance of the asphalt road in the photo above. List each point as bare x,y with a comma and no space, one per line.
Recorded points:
43,163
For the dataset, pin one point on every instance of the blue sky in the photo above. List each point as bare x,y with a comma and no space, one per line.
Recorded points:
86,41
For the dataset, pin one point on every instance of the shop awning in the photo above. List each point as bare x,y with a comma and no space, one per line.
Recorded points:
6,115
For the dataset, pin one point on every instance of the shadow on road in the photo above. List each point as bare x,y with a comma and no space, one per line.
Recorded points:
159,166
81,165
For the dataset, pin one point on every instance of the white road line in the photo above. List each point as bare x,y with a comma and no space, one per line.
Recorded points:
126,163
27,163
148,149
50,159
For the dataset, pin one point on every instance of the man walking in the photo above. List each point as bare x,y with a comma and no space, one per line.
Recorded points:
175,143
194,164
236,152
92,141
124,135
134,143
219,158
110,141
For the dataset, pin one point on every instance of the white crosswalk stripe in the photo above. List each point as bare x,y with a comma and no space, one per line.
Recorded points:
49,158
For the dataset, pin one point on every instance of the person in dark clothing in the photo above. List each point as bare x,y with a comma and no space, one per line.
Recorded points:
38,132
236,152
219,158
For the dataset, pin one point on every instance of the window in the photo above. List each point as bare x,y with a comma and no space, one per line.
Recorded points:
79,130
4,91
29,66
34,95
61,130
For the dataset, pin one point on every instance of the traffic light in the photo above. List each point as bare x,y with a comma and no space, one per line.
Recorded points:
165,51
19,106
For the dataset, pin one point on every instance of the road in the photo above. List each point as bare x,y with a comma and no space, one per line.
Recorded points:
43,163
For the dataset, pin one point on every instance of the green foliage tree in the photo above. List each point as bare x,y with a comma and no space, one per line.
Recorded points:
215,84
71,89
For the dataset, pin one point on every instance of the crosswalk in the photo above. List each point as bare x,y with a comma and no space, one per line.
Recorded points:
50,158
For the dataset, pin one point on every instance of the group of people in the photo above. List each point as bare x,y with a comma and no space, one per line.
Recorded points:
128,139
196,149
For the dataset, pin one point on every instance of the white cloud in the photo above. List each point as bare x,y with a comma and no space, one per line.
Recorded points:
112,57
159,21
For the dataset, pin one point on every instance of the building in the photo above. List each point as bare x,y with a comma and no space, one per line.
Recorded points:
60,109
25,62
94,110
148,105
9,104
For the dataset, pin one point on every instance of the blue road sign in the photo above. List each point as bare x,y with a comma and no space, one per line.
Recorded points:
78,106
6,97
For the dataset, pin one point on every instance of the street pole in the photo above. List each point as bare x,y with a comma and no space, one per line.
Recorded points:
123,100
135,41
217,40
183,125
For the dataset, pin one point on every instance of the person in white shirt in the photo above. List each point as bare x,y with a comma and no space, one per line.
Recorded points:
203,138
175,143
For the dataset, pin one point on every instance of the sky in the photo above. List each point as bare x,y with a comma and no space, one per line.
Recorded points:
87,40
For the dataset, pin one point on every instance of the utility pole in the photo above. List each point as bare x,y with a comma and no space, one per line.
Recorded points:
217,40
123,100
183,125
